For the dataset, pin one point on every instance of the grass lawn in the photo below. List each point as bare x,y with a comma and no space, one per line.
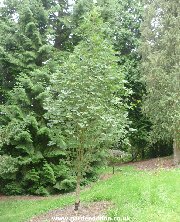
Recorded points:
142,196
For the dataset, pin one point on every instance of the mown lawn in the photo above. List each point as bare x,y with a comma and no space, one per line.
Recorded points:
142,196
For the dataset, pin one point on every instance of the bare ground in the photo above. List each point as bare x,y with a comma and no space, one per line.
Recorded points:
152,164
93,211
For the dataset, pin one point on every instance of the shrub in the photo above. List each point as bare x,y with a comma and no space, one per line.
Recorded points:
13,188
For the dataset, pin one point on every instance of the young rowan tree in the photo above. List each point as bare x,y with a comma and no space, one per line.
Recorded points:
85,111
124,18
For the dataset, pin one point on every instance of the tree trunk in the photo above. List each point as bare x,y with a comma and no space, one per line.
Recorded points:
176,148
77,202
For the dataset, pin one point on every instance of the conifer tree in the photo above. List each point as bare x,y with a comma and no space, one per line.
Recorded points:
160,50
24,135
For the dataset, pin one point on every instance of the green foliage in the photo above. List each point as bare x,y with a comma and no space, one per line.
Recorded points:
27,60
160,70
85,114
32,176
8,165
85,100
48,174
124,19
66,185
159,149
13,188
42,191
117,160
61,170
65,59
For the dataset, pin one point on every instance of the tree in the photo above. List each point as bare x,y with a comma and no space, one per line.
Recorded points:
160,70
84,109
24,135
59,18
38,23
10,63
124,18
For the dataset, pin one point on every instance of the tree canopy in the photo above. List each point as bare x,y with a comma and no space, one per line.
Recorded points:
160,53
81,77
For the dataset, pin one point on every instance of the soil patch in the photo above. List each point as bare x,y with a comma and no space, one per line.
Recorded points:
93,211
105,176
152,164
